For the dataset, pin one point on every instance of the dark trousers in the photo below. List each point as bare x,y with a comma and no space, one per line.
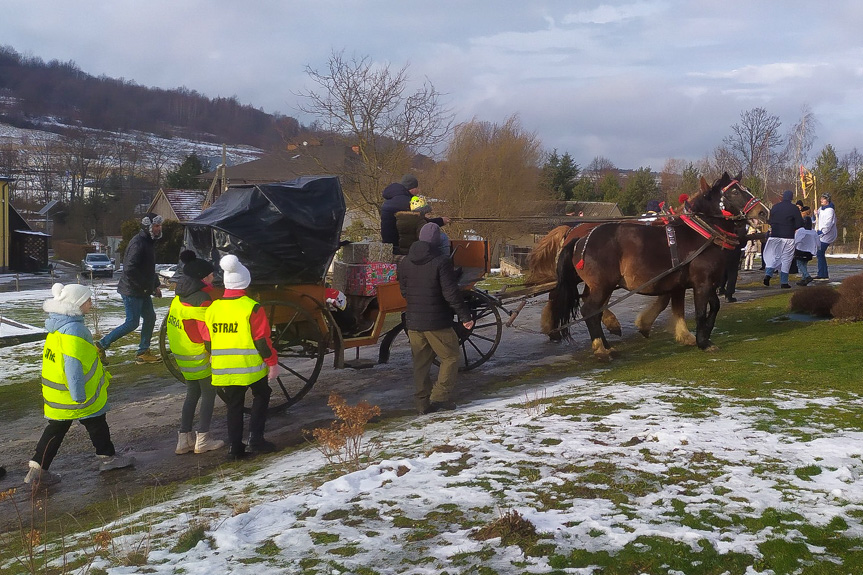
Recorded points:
56,430
234,397
732,267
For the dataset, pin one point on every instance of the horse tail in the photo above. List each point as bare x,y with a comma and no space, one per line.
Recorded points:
564,306
543,257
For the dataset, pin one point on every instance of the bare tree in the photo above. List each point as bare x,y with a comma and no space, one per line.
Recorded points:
491,173
756,143
369,106
800,141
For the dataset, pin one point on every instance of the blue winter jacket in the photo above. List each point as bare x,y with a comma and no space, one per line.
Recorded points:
73,325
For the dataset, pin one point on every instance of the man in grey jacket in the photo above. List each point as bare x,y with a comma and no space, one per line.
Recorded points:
428,283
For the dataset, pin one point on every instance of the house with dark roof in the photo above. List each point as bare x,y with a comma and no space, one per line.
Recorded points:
180,205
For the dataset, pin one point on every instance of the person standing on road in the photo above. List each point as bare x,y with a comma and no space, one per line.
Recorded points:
242,357
827,234
805,247
138,284
74,385
397,198
184,325
784,220
428,283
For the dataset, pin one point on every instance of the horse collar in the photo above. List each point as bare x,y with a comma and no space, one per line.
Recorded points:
725,240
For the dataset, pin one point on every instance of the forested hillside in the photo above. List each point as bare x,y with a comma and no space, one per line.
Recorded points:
31,88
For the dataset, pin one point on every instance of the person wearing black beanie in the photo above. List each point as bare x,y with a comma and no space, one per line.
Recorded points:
185,322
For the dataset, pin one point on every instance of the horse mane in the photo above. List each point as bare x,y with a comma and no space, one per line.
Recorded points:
542,260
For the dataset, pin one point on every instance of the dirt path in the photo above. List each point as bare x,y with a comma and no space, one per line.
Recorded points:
146,404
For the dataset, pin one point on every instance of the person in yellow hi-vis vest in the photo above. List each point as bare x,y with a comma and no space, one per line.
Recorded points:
74,385
241,357
184,326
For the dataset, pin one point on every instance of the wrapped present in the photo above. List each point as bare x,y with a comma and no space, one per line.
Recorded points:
366,251
362,279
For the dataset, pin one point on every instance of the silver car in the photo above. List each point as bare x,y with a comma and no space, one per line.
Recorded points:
97,265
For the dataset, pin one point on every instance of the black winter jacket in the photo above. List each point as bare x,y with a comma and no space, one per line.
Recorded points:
397,198
191,291
784,220
428,283
139,277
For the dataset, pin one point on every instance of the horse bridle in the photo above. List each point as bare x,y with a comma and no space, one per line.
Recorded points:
750,205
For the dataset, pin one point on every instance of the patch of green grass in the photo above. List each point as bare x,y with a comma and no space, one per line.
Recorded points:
323,538
755,354
655,555
189,538
808,472
268,548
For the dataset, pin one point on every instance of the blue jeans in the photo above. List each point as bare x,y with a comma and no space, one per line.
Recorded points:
137,308
822,260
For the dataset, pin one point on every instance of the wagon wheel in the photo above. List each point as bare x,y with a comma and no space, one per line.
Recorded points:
165,351
479,343
301,345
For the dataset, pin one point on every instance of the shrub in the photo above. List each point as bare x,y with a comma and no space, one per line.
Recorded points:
850,303
816,301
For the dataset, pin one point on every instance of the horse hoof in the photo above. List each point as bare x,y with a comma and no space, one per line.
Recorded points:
711,348
644,332
688,341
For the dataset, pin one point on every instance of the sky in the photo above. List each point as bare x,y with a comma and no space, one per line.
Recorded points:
635,82
616,463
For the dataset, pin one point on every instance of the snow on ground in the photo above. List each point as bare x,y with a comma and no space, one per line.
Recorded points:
592,466
26,307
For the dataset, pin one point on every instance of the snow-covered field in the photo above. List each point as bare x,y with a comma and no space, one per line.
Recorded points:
595,468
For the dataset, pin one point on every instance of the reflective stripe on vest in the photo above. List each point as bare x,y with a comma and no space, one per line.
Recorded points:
57,401
191,357
235,361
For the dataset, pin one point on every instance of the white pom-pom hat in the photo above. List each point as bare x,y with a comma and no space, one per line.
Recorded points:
67,299
236,275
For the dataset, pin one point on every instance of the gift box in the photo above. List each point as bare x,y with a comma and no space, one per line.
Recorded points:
363,279
366,251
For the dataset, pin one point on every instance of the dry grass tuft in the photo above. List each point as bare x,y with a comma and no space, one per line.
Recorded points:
817,300
512,528
850,303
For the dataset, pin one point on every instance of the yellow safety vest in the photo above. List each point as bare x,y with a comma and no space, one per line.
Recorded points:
57,400
192,358
234,358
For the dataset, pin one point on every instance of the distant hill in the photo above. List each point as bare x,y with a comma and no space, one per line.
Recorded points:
31,88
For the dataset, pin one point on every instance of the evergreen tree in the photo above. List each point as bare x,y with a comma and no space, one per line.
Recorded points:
559,176
185,177
640,187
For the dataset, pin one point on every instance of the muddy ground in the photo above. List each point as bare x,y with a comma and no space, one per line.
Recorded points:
146,404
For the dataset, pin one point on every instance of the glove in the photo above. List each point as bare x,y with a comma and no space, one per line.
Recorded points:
273,372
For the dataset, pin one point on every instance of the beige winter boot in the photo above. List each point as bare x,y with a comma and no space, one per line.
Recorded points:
206,443
185,443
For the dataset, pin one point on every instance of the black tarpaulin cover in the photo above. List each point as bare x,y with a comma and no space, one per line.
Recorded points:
285,233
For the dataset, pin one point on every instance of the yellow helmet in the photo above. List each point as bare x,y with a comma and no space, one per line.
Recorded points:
418,202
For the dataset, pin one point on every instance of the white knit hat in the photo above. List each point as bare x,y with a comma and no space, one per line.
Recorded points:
67,299
236,276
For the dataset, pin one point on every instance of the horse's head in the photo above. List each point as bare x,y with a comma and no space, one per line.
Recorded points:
737,199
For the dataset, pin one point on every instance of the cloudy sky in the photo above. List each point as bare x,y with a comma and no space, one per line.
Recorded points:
636,82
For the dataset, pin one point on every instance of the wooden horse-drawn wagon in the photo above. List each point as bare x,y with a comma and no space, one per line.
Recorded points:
287,234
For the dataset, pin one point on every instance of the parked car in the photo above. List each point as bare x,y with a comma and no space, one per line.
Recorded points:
166,274
96,265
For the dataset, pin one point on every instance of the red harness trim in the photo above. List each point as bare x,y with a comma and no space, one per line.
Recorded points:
708,234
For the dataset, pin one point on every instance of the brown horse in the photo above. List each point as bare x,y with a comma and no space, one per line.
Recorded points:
638,257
